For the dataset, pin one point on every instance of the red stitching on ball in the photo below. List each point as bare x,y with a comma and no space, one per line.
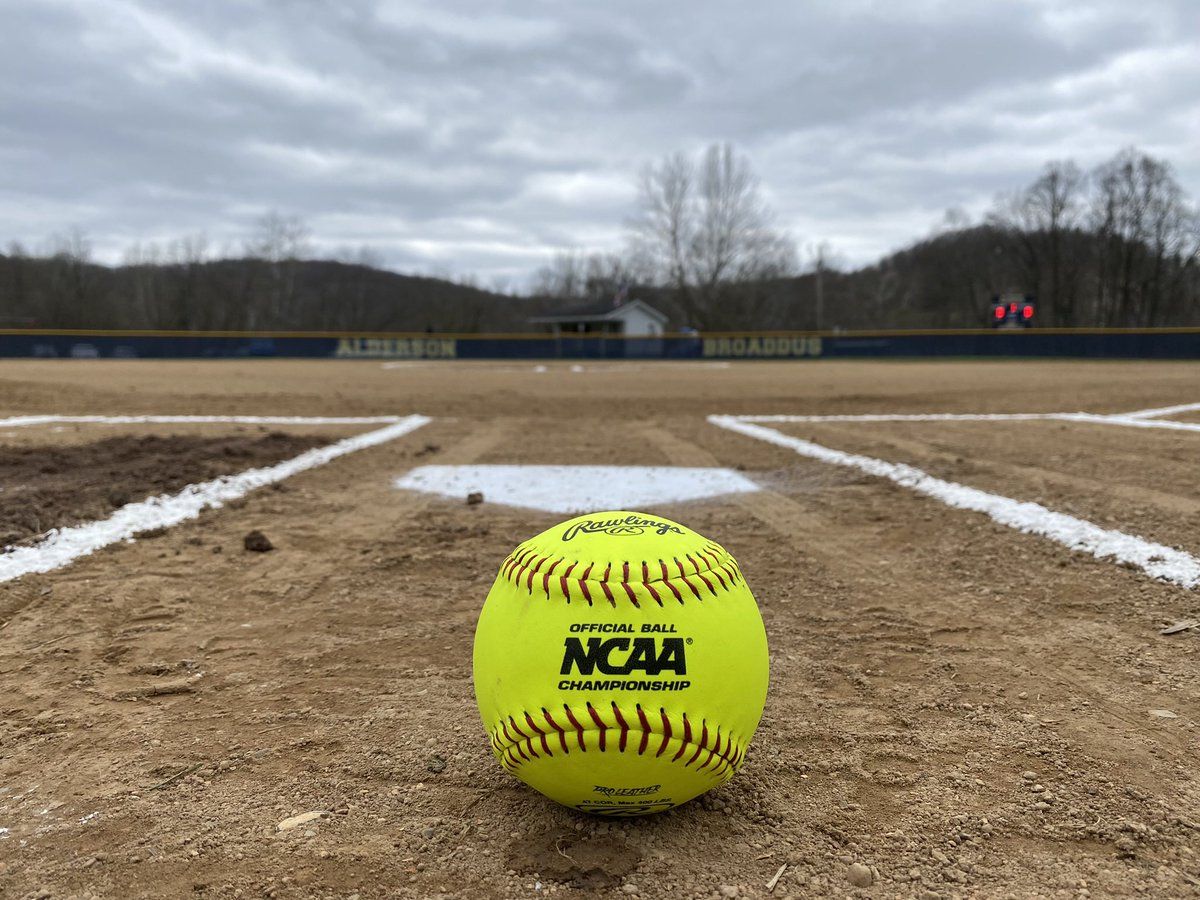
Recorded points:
562,735
523,567
645,730
702,746
525,563
721,761
666,579
546,577
583,579
511,562
564,584
599,723
578,727
666,723
623,726
687,737
633,597
683,578
713,752
541,734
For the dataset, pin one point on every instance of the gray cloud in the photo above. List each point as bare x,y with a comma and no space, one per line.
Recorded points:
469,137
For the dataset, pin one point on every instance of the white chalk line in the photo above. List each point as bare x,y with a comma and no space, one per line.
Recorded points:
21,421
1161,411
906,417
1128,421
1157,560
64,545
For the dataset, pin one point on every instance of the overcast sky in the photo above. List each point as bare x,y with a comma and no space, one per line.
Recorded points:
473,137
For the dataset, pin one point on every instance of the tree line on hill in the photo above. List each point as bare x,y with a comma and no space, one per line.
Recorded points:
1118,246
269,285
1115,247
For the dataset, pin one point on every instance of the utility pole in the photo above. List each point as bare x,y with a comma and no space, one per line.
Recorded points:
819,251
820,291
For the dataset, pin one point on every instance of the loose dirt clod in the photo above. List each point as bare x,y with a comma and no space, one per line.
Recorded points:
301,819
859,875
474,498
257,542
585,861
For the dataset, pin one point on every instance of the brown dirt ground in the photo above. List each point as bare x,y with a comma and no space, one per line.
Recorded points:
961,707
48,486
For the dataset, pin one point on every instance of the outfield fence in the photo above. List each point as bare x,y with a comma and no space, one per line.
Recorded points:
1144,343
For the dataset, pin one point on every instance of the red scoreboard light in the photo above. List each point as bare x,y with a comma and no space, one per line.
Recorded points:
1013,311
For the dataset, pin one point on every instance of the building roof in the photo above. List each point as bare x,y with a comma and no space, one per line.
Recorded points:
601,312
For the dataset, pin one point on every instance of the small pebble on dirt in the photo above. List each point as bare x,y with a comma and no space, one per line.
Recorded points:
859,875
436,764
257,542
474,498
729,890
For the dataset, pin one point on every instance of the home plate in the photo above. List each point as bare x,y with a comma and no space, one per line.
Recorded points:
576,489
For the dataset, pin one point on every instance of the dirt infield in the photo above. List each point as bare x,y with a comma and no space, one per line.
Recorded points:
49,486
963,709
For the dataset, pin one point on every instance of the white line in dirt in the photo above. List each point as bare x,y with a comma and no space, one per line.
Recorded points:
1087,418
65,545
19,421
1130,422
908,417
1160,411
1157,560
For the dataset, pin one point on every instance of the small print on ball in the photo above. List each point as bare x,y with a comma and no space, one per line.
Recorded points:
620,664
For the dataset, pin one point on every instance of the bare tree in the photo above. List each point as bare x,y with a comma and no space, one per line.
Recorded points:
595,277
704,229
17,306
1147,239
279,238
186,256
71,281
144,262
279,241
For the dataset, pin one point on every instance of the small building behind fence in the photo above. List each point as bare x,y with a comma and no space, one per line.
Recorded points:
634,318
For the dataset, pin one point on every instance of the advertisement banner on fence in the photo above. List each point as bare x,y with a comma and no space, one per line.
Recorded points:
397,348
762,347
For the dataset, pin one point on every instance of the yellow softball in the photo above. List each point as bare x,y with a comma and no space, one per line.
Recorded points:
620,664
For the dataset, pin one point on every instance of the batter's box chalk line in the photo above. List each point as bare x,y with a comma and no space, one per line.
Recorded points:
64,545
25,421
1157,560
1148,418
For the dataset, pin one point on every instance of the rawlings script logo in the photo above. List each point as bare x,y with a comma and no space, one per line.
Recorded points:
628,525
621,656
